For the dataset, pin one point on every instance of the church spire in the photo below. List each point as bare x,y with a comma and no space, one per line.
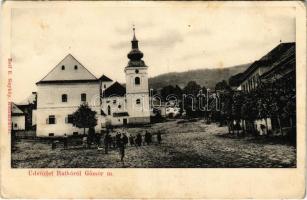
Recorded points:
134,41
135,54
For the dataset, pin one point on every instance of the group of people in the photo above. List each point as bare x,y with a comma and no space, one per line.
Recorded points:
139,141
121,140
118,141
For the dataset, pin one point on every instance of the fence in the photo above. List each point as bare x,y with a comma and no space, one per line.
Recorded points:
25,134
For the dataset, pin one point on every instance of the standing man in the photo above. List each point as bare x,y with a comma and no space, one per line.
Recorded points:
122,148
159,138
65,140
138,140
118,138
147,137
106,142
125,139
131,140
53,144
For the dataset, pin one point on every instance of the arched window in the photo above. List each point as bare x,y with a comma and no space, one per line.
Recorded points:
83,97
64,97
137,81
63,67
138,101
109,110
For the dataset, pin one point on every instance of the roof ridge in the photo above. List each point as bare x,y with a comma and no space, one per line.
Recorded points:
54,67
83,66
66,57
107,78
120,90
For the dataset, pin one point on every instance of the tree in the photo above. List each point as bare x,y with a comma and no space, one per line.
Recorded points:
226,102
191,92
222,85
84,117
167,90
171,90
235,79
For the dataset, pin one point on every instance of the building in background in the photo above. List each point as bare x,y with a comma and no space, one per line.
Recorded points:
172,109
281,57
28,106
277,70
18,118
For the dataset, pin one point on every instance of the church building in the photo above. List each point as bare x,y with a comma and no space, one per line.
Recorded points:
69,84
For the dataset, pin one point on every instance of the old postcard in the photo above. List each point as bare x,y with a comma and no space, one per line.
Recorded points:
153,99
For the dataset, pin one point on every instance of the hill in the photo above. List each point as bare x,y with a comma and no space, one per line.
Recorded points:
204,77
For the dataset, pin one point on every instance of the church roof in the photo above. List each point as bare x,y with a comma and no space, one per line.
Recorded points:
116,89
105,78
135,55
16,110
68,70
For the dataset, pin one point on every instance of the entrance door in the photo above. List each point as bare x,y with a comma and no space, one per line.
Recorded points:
125,121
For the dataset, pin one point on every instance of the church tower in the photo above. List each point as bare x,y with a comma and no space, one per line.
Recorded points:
137,93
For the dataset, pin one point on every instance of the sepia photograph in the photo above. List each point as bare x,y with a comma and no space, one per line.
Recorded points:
153,86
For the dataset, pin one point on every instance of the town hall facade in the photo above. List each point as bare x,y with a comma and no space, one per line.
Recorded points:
69,84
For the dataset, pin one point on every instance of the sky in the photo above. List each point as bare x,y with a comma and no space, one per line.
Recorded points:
173,37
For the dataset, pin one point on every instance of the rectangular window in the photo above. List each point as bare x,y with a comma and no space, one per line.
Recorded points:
51,134
70,119
64,97
51,119
114,101
75,133
83,97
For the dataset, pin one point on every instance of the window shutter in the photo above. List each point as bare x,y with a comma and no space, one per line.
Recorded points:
47,121
66,120
54,120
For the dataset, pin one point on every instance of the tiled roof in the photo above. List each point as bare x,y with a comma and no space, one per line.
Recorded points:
69,69
116,89
16,110
68,81
286,60
270,59
105,78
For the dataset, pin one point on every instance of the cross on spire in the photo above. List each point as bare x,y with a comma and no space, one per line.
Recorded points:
135,55
133,28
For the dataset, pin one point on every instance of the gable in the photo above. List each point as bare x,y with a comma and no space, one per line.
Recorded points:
16,110
104,78
115,90
69,69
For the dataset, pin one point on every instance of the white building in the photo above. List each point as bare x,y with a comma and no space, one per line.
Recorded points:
18,118
172,109
69,84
